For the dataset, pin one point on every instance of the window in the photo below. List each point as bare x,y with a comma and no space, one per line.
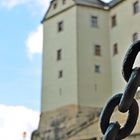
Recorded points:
97,69
94,21
60,26
95,87
60,74
60,91
114,21
59,54
55,5
97,50
135,37
64,2
115,49
136,7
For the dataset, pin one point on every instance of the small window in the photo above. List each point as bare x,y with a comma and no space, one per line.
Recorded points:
115,49
60,26
60,74
135,37
114,21
95,87
55,5
94,21
136,7
60,91
59,54
97,69
64,2
97,50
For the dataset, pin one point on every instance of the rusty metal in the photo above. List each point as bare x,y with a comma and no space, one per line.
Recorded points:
125,102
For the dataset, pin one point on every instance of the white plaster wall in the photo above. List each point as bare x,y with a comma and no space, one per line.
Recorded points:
59,92
60,7
127,24
87,38
80,84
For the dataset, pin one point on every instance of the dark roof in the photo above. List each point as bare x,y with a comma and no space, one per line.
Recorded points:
114,3
99,3
96,3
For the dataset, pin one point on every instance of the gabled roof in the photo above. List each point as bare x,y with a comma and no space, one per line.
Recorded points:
114,3
94,3
99,3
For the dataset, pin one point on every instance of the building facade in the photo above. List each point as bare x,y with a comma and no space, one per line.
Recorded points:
83,48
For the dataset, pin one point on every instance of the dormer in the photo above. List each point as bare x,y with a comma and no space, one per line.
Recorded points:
58,6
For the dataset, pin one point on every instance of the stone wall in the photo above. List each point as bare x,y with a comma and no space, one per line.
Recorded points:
77,123
65,122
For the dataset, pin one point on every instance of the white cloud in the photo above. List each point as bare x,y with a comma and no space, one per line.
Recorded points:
12,3
14,120
34,42
44,4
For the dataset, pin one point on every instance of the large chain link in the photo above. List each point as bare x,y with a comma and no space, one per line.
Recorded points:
125,101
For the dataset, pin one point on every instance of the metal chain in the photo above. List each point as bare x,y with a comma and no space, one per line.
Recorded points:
125,101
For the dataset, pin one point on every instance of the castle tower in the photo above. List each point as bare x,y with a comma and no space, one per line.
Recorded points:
76,54
83,48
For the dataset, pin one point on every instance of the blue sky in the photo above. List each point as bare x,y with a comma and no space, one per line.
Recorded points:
20,61
20,70
20,66
20,57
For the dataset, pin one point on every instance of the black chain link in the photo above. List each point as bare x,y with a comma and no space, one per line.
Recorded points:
125,101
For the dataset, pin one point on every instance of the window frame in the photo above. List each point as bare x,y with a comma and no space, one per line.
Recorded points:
97,68
60,74
97,50
54,5
94,21
59,55
136,7
115,49
114,20
60,26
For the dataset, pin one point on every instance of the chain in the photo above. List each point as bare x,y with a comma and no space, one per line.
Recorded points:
125,101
